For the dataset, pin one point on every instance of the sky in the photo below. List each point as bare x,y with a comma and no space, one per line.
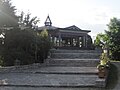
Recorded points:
91,15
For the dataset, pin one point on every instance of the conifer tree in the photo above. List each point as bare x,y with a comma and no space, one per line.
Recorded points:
7,14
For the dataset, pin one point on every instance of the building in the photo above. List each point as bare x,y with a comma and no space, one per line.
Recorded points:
68,37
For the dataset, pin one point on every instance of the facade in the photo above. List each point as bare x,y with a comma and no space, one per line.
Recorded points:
69,37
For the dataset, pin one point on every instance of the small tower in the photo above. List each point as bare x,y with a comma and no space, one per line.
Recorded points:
48,21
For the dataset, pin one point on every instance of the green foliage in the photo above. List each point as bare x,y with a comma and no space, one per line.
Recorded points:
44,45
111,39
18,45
104,59
114,38
7,14
104,62
26,45
101,40
44,34
26,20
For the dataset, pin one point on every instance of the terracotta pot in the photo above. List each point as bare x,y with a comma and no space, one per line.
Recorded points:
102,73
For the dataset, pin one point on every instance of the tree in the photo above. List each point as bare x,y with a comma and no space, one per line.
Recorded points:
113,34
43,45
111,38
27,46
7,14
18,44
101,40
25,20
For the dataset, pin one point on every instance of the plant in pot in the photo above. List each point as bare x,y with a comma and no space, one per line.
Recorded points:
103,66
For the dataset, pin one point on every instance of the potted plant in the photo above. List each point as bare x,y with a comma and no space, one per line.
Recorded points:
101,71
103,66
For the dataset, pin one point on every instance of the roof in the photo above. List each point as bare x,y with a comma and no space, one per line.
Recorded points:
47,27
48,21
74,28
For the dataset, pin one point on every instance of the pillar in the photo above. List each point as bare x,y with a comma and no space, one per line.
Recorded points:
84,41
55,41
77,44
59,37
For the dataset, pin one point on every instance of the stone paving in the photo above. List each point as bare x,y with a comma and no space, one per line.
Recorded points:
38,80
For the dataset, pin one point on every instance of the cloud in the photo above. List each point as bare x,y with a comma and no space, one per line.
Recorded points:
97,15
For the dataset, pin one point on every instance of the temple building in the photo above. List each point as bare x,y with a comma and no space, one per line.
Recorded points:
68,37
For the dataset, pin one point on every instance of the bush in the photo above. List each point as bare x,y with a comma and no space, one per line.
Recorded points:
27,46
43,46
17,45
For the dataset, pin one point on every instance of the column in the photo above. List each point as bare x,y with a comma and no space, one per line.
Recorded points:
77,43
59,37
84,41
72,42
55,41
80,42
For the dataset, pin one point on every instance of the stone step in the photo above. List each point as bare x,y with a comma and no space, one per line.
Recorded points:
76,55
68,70
74,51
59,70
47,80
73,62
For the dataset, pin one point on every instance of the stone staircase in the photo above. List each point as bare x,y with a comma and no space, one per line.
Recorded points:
73,62
80,58
80,63
63,68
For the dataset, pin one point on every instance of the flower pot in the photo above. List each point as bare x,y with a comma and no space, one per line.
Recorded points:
102,73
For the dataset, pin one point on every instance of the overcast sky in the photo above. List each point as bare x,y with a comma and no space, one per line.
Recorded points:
86,14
